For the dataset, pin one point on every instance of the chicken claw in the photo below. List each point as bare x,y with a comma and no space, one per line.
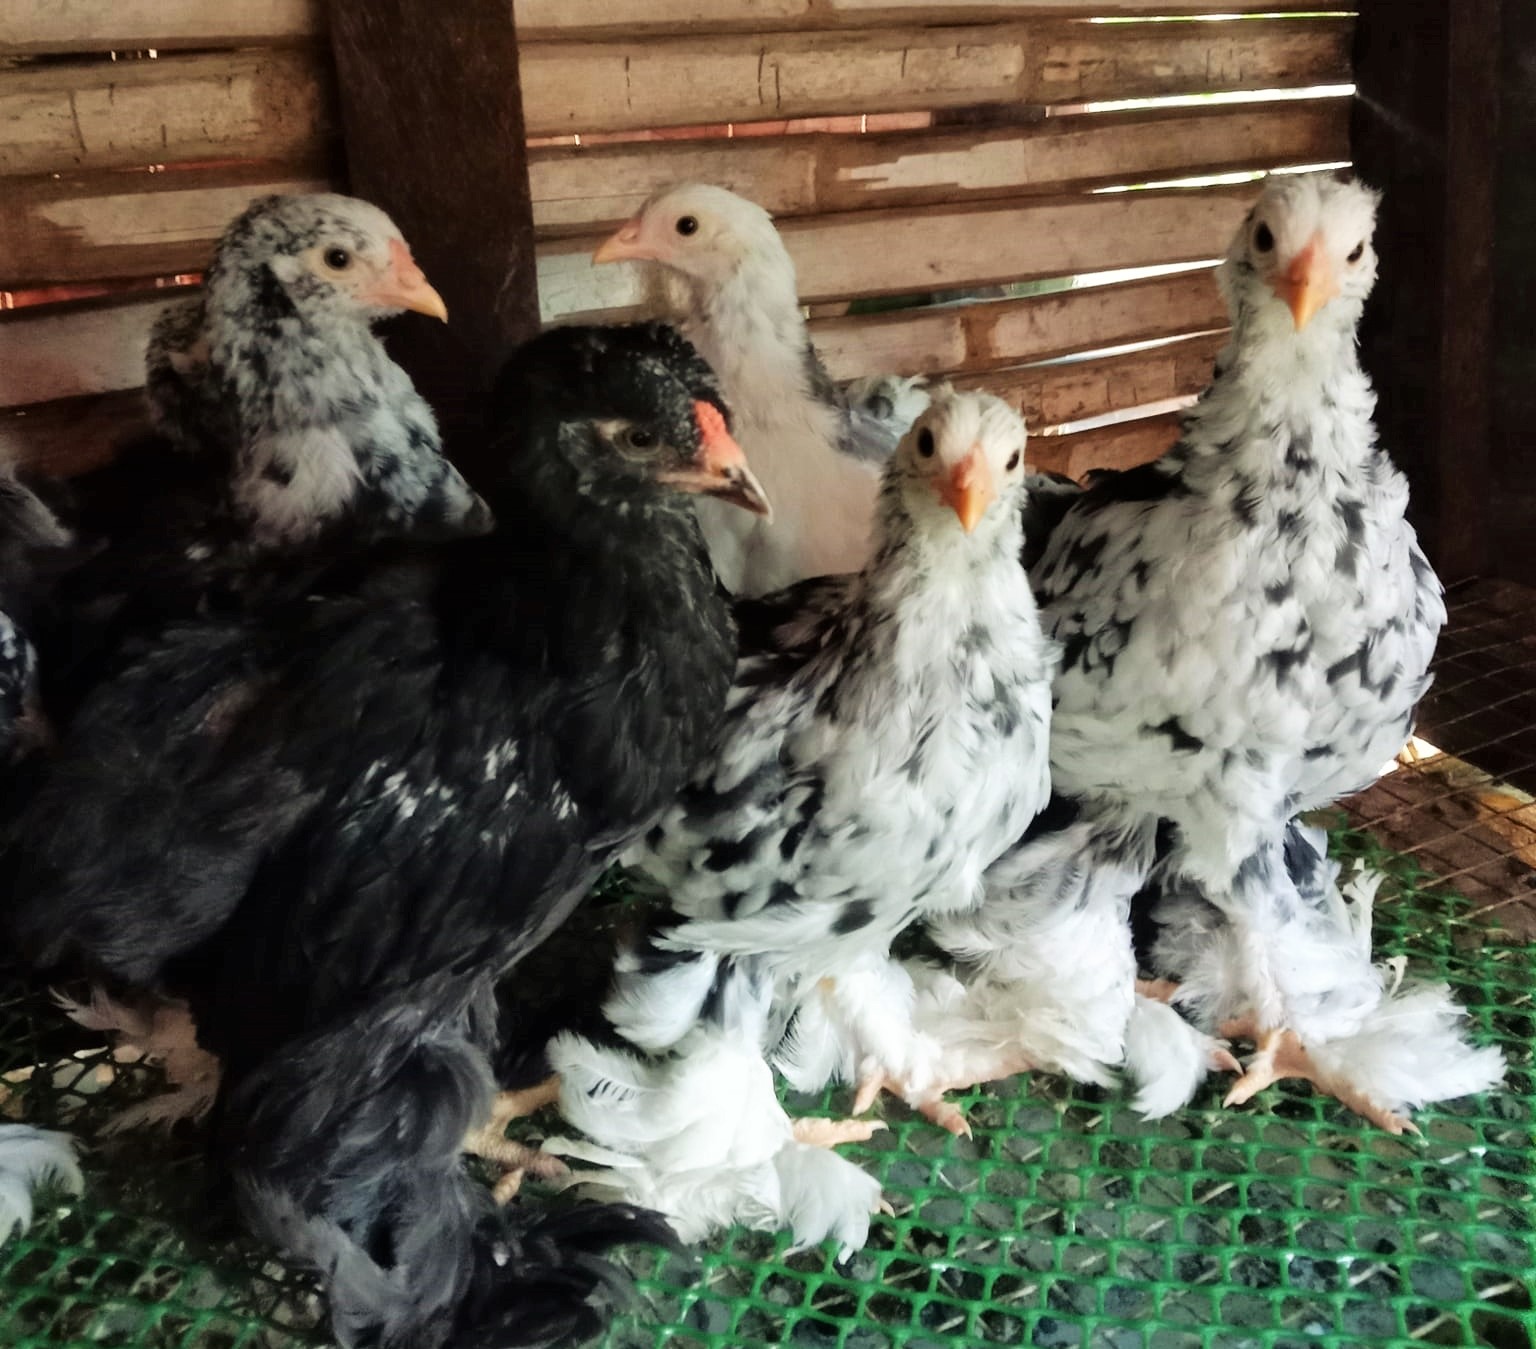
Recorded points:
1221,1058
831,1133
490,1142
933,1108
1281,1054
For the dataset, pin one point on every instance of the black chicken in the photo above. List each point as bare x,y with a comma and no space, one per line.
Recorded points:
333,826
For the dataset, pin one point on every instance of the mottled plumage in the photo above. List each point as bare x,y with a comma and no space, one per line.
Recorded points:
285,436
1246,627
330,826
884,741
272,372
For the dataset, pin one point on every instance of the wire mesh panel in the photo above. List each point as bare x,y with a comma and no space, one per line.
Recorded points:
1065,1221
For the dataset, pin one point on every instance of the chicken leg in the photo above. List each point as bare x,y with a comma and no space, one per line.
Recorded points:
1280,1054
517,1160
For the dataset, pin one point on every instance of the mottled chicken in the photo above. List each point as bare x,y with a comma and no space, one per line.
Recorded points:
1246,625
885,741
283,431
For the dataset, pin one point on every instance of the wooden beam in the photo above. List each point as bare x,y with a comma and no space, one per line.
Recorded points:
1425,132
64,352
998,333
1513,447
935,248
35,27
540,19
433,113
682,81
1074,391
1123,445
71,436
582,187
97,226
70,118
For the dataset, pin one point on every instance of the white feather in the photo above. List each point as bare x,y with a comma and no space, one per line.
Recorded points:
30,1158
1165,1056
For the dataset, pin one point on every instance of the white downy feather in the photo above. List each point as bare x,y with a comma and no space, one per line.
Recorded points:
701,1137
1166,1057
30,1158
1052,970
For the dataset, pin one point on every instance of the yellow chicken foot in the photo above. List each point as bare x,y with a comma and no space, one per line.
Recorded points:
935,1108
1281,1054
517,1160
831,1133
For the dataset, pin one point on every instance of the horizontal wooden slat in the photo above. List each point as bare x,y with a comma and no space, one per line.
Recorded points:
68,353
89,227
1123,445
1011,332
610,86
73,435
538,19
808,175
28,27
1073,391
273,105
937,248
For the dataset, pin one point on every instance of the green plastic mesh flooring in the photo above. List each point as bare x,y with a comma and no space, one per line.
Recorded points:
1066,1221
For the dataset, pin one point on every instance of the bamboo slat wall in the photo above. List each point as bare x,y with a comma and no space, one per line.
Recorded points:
994,173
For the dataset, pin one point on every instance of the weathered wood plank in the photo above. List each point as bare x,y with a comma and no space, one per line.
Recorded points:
1426,129
1123,445
73,435
935,248
90,227
540,19
612,86
273,105
66,353
434,122
1073,391
1011,332
31,27
809,175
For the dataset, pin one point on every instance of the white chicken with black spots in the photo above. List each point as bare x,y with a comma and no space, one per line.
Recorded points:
274,374
885,740
1246,627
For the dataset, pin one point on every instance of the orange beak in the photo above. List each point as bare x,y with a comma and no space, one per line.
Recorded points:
405,286
1309,283
625,245
969,489
719,469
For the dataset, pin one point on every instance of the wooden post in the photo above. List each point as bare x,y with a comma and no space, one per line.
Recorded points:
1425,131
433,116
1514,403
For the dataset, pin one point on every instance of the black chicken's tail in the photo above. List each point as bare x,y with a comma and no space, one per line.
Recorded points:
345,1150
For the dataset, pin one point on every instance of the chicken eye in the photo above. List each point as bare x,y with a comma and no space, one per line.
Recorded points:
1013,460
1358,253
687,224
636,440
338,259
1263,240
925,443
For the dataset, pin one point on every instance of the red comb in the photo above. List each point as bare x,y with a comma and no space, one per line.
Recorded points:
710,419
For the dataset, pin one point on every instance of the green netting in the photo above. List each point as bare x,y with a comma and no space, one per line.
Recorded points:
1065,1221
